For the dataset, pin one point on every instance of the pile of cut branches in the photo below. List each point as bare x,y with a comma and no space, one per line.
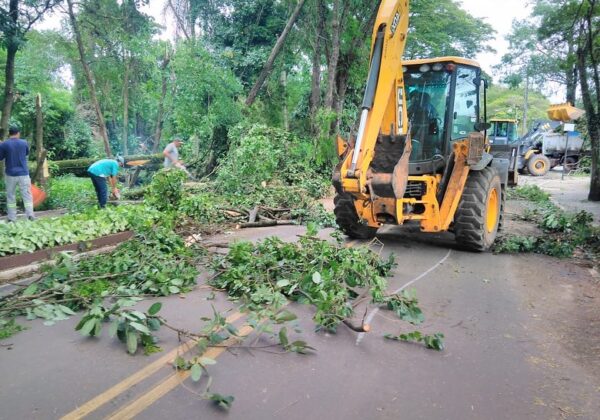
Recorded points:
563,234
334,279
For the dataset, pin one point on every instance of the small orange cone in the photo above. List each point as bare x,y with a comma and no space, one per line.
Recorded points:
38,195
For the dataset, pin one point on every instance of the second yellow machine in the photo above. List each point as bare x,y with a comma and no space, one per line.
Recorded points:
420,153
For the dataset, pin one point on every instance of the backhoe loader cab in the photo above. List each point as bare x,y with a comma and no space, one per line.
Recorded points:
432,168
443,105
503,131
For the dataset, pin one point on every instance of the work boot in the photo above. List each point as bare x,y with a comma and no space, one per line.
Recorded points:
31,218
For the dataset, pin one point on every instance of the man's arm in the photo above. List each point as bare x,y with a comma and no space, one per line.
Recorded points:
112,179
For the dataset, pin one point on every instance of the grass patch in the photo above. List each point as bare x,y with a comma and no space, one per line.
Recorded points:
531,193
8,328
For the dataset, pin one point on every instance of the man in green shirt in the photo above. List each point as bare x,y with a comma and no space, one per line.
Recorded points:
102,171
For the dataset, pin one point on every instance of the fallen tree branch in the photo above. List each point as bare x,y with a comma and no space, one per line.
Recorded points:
266,223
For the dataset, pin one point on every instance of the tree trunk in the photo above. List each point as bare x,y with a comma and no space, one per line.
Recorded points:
268,67
9,89
594,130
525,105
315,85
286,117
40,152
347,59
12,47
571,78
161,104
593,122
125,105
334,54
89,78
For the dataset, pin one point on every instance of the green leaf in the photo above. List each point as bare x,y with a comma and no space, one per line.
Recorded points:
174,289
112,331
215,338
316,278
202,345
231,329
196,372
283,283
153,310
206,361
283,339
132,342
154,324
140,327
87,328
66,310
300,346
30,290
223,401
180,363
284,316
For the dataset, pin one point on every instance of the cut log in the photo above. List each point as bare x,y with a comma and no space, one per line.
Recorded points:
231,213
266,223
253,214
357,328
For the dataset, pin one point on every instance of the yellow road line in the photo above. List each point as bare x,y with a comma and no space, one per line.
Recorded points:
171,382
95,403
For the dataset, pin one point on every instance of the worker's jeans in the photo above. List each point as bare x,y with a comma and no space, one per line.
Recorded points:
101,189
24,183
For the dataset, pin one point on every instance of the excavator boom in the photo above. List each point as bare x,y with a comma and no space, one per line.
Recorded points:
384,81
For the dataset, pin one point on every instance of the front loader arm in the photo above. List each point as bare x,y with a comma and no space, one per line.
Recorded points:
384,104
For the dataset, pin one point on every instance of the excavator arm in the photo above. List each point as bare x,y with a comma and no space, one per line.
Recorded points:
383,109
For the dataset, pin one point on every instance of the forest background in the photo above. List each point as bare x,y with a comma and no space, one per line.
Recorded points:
110,85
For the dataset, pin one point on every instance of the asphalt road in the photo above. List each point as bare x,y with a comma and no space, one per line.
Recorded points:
521,343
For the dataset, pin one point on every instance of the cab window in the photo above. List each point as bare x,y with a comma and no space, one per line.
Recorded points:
465,103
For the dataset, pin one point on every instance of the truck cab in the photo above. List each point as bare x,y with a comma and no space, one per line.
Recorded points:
503,131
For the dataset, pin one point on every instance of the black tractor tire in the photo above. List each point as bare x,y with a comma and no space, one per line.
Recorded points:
478,216
538,165
347,218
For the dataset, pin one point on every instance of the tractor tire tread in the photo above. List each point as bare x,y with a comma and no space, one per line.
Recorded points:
469,221
347,218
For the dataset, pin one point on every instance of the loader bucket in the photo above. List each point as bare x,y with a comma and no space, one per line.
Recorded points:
564,112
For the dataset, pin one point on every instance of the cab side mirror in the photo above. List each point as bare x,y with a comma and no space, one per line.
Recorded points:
482,126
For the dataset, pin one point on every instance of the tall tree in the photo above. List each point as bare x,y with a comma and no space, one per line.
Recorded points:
268,67
89,78
442,27
16,19
578,22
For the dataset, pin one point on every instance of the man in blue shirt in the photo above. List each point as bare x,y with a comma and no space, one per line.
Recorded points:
100,172
14,152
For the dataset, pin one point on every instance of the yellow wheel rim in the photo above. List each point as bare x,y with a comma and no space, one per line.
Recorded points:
492,211
540,165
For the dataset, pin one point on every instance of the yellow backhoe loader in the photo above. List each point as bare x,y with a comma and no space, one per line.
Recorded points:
420,154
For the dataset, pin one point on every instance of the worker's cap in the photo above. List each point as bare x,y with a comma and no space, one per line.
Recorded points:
177,138
121,160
